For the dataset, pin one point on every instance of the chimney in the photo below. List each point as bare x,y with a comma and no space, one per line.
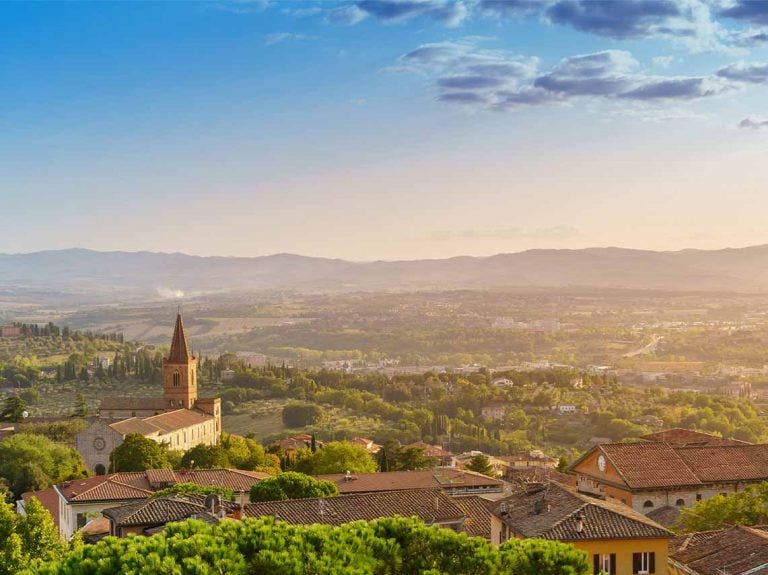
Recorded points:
348,475
579,523
237,513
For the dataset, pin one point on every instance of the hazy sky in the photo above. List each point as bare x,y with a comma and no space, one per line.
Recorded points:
383,128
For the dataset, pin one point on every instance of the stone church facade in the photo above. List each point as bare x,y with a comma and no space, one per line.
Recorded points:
180,419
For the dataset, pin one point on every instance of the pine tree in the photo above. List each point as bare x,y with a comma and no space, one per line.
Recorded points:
81,406
14,409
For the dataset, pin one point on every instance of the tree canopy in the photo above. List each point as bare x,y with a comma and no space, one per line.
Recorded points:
338,457
27,538
301,414
481,464
392,546
14,409
29,462
137,453
749,507
292,485
205,457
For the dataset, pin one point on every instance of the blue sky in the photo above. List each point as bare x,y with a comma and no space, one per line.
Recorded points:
383,128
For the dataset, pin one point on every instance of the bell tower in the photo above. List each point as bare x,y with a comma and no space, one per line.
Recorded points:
180,372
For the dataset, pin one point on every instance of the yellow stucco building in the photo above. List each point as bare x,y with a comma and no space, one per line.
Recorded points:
617,540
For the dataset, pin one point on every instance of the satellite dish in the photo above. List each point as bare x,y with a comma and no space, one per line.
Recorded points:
25,414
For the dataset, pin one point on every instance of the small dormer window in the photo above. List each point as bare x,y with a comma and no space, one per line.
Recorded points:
176,379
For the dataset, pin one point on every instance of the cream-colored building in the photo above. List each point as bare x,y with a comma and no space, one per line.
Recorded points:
82,500
179,419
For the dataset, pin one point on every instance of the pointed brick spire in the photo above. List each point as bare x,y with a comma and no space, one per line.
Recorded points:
179,348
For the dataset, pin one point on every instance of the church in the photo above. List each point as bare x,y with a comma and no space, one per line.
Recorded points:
179,419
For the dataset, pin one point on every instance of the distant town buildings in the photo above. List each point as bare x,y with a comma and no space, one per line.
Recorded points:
548,325
495,412
564,408
502,383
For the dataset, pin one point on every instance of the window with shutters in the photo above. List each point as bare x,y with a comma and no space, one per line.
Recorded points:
644,563
604,563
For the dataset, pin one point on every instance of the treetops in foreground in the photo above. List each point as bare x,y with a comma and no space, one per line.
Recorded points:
390,546
27,538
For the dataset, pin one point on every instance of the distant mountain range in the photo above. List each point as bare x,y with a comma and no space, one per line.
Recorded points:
111,275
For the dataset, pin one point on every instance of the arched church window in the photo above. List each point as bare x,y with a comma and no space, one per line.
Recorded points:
176,379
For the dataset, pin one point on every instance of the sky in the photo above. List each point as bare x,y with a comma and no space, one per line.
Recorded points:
383,129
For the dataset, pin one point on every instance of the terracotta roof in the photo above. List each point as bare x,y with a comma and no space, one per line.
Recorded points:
367,443
135,425
645,465
171,421
179,348
96,526
735,551
161,476
446,478
726,463
478,512
152,512
162,423
117,486
649,465
141,484
235,479
553,512
680,436
680,542
429,505
527,475
48,498
666,515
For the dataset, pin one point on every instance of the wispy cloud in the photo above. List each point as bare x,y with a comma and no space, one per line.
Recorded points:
447,12
663,61
511,8
243,6
754,122
279,37
495,80
750,37
303,12
687,22
753,11
750,72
